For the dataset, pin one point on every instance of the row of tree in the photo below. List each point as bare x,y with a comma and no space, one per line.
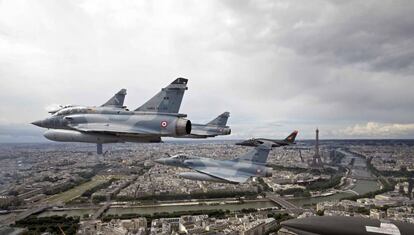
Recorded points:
201,195
220,214
325,184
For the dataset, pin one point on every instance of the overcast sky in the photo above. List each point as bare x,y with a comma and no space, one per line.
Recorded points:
343,66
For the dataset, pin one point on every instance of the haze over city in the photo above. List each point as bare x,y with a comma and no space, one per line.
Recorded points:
345,67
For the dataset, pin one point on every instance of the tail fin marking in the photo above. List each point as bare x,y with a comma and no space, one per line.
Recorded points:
168,100
291,137
221,120
117,100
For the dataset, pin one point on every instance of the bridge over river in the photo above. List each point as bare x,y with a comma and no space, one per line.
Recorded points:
290,207
30,211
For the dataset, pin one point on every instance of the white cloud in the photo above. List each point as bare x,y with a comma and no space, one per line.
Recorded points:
382,130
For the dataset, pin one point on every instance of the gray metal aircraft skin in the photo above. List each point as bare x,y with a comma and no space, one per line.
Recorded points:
275,143
239,170
113,123
212,129
346,225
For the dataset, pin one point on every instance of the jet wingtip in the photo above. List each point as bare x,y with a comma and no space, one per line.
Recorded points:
180,80
122,91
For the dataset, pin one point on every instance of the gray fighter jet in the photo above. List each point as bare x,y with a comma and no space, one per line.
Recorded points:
113,123
214,128
239,170
275,143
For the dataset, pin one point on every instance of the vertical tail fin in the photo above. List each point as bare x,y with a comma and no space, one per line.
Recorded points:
168,100
291,137
221,120
117,100
257,155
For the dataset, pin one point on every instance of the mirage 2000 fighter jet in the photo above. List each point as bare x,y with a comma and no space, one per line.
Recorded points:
113,123
239,170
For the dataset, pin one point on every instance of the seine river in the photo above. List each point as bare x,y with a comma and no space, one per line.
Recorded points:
361,186
177,208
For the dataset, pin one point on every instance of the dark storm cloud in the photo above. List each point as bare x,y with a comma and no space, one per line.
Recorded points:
375,34
344,60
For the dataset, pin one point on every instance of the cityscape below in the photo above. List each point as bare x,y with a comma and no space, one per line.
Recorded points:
68,188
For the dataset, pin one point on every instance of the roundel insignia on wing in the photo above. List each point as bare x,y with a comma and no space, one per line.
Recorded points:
164,124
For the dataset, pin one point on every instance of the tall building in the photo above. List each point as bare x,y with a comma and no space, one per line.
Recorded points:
410,188
316,160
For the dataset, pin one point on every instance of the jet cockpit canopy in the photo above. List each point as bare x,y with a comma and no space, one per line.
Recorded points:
72,110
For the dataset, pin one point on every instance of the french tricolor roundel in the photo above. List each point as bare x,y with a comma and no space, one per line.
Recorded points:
164,124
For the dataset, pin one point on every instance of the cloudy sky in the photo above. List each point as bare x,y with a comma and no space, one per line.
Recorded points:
343,66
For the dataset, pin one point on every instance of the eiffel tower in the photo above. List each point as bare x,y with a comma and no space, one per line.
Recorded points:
316,160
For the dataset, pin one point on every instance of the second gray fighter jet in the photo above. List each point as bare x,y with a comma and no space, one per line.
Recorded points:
239,170
275,143
214,128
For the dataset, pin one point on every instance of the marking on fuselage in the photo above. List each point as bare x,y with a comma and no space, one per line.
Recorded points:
164,124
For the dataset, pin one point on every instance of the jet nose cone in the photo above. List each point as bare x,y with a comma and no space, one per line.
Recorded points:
38,123
160,161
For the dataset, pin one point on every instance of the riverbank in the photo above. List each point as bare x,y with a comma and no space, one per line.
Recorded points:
233,205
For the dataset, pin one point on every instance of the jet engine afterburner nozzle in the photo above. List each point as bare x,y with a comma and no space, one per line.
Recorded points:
183,127
268,172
